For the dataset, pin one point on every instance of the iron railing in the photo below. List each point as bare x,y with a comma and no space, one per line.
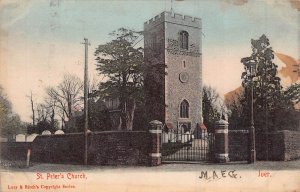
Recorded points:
187,146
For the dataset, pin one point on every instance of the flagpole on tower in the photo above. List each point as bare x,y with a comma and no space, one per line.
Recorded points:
172,10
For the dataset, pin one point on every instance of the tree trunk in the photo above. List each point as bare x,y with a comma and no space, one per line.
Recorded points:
127,114
32,108
70,109
52,118
123,113
130,114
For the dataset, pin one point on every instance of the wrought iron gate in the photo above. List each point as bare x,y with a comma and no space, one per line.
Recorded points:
198,146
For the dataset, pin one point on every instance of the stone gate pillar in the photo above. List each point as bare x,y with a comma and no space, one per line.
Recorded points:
155,129
221,141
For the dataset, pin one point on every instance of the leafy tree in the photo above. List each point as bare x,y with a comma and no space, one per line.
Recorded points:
5,107
42,126
12,126
99,119
271,102
10,123
31,129
121,64
292,95
266,84
46,125
286,116
212,106
234,105
154,73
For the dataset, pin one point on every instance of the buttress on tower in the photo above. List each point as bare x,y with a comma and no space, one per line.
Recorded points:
173,54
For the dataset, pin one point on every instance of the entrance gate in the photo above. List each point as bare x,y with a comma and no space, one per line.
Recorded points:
198,146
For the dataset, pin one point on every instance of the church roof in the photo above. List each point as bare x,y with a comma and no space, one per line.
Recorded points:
169,125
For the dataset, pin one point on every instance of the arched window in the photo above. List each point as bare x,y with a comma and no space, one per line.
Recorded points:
184,40
184,109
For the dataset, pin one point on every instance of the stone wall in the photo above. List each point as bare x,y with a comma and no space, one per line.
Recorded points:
104,148
276,146
283,146
263,149
291,144
120,148
67,148
141,148
14,150
238,145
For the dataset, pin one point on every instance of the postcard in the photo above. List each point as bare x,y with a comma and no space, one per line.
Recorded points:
150,95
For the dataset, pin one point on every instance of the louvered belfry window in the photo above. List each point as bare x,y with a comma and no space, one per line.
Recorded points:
184,40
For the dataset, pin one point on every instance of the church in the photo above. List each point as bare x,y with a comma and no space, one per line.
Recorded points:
174,41
172,50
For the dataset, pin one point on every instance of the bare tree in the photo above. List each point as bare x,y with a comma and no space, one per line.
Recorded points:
32,108
93,87
42,112
46,111
67,95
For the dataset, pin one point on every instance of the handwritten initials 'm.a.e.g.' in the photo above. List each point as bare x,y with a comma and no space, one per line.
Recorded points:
218,174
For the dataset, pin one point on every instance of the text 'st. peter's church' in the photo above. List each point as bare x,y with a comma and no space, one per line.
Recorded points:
174,41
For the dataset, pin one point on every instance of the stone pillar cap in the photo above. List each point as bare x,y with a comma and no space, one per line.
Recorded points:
221,122
155,122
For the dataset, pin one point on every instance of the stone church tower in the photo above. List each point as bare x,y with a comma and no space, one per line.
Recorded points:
173,82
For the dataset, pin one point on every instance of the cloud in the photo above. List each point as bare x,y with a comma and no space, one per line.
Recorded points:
236,2
11,11
294,3
3,35
290,66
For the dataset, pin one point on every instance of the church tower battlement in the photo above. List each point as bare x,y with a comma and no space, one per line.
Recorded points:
173,17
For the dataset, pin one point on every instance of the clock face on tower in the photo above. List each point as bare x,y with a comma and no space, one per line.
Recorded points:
184,77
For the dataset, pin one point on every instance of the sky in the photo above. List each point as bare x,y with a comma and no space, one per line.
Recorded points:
40,41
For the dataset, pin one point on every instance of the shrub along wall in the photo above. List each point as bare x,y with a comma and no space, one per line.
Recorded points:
238,145
104,148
